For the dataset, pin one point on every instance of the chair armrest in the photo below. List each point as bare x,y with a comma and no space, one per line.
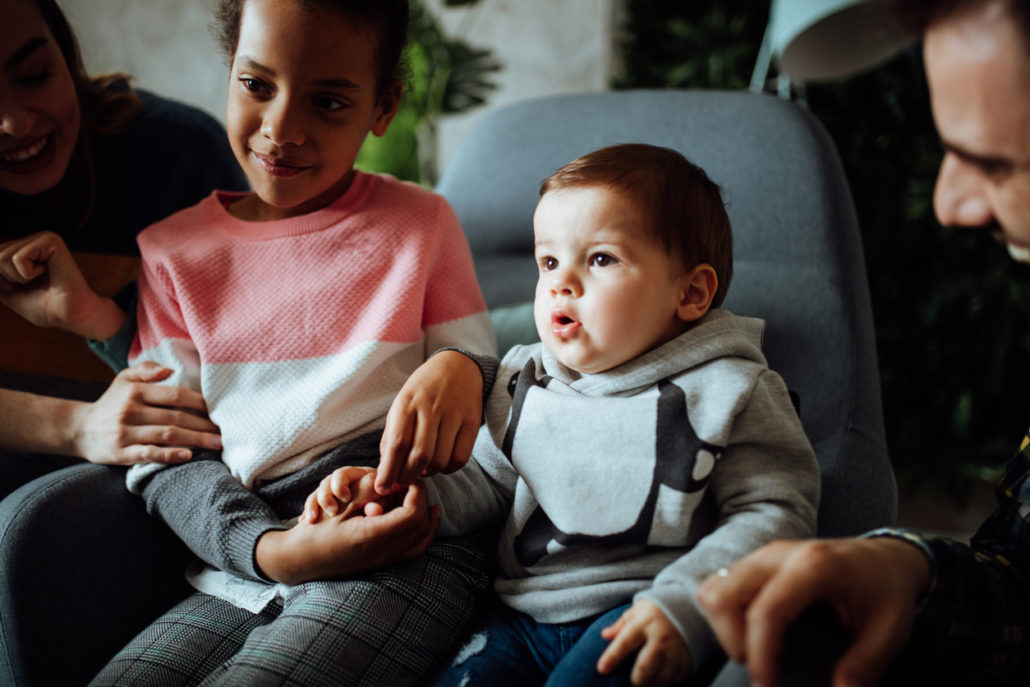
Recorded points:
82,567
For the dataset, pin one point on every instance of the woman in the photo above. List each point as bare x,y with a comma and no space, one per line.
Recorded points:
95,162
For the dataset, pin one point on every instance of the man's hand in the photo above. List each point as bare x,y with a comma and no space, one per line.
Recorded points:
872,585
663,659
339,547
433,422
137,420
40,281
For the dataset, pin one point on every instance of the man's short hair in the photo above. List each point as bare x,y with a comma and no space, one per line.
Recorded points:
920,15
683,209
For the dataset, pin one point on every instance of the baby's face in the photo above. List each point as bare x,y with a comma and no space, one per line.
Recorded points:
606,293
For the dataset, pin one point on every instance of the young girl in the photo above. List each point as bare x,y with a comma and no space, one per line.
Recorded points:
299,310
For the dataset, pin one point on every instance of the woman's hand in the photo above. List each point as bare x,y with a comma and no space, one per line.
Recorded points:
40,281
137,420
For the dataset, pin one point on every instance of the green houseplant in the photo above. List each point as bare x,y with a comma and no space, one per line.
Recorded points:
445,75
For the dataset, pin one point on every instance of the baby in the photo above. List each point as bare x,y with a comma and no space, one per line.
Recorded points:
643,444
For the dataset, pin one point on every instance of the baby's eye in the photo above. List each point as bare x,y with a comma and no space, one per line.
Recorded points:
602,260
547,263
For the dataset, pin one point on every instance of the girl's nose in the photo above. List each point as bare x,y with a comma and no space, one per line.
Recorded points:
960,197
281,125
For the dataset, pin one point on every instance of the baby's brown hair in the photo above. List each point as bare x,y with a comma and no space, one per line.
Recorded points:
683,209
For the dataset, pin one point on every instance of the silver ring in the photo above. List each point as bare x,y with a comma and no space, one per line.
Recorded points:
722,572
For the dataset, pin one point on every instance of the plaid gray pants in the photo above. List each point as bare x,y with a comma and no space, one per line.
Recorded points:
385,629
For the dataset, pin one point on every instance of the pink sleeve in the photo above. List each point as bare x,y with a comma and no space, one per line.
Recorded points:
455,312
161,334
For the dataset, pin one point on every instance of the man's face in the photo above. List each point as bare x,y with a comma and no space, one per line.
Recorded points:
978,69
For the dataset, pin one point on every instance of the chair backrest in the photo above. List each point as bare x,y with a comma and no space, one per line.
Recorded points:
798,260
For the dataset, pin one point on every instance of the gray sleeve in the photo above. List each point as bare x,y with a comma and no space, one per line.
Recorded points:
475,496
115,351
217,518
481,493
488,365
765,487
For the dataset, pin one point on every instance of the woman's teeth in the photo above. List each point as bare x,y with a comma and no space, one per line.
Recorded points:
25,153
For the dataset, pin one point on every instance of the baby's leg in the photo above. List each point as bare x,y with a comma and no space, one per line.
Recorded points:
185,645
504,649
578,668
385,629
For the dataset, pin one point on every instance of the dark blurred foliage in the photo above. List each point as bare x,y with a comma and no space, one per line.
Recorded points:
952,311
445,75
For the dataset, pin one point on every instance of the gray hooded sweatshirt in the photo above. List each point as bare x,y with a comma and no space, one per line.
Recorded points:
636,482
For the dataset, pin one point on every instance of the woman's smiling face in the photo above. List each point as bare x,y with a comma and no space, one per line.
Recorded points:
39,109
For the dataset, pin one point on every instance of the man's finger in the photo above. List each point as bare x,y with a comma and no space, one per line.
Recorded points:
726,595
875,645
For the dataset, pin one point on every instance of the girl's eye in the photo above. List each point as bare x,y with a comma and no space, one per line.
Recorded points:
253,85
328,103
547,263
601,260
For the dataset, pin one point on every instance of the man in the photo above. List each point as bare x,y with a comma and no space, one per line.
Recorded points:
963,611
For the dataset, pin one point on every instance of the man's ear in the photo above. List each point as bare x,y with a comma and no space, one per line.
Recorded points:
698,287
386,108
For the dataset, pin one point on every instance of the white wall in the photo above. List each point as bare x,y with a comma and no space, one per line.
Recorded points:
546,46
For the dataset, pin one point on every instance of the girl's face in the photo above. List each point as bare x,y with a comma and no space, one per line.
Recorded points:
39,110
302,99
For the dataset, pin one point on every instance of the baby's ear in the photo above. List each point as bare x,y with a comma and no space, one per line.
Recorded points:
697,289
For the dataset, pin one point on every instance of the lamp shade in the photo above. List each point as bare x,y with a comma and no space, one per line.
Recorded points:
823,39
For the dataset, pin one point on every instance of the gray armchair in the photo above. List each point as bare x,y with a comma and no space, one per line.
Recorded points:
83,568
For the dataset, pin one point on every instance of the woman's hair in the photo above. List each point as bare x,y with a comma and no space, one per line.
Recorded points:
388,18
682,208
105,111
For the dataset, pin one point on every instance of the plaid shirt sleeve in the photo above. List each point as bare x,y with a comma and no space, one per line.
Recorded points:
975,616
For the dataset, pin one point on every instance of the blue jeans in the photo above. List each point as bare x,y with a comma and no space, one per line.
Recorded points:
508,648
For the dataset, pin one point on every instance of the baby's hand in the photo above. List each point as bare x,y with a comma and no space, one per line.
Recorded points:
352,487
40,281
433,421
664,658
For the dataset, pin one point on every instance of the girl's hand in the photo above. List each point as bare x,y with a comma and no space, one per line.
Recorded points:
663,659
339,547
433,422
352,487
137,421
40,281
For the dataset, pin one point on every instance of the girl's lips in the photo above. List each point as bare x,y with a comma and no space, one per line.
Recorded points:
29,157
278,166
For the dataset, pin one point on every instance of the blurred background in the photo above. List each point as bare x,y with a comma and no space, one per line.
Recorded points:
953,328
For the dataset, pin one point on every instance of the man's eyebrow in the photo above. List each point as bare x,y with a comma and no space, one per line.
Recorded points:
249,63
980,160
24,52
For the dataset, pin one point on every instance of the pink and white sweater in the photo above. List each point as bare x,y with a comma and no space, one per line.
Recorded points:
300,332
